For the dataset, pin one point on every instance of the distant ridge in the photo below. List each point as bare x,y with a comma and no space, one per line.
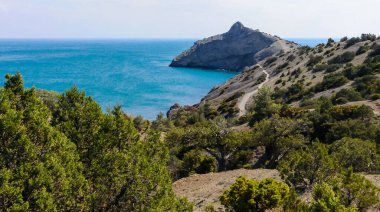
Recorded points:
234,50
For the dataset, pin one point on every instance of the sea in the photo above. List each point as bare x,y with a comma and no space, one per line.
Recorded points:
132,73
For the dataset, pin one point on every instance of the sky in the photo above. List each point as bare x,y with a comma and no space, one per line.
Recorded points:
185,18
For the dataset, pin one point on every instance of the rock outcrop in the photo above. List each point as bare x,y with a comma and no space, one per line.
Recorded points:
234,50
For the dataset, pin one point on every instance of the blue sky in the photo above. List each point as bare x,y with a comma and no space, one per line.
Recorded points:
185,18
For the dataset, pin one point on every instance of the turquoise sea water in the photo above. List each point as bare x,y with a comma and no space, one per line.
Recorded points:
132,73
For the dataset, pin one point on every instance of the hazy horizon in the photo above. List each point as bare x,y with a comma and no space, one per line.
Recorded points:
183,19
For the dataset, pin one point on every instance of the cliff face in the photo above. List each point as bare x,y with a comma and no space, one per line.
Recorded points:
234,50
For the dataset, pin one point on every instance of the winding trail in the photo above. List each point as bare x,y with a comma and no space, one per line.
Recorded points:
243,102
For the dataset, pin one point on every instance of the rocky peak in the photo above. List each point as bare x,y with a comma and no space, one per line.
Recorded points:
236,28
234,50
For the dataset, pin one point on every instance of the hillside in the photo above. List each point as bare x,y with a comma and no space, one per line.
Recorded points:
234,50
305,73
205,189
310,115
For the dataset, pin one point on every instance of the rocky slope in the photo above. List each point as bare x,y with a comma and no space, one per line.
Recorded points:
303,74
234,50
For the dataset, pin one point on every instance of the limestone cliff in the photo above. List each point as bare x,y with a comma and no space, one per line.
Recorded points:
234,50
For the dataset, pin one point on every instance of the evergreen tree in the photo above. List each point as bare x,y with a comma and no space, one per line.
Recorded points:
39,167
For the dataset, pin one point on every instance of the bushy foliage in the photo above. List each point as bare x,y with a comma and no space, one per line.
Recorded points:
211,137
370,37
344,39
331,81
303,168
39,167
375,50
367,85
270,61
355,153
326,67
196,162
279,136
326,199
340,113
314,60
263,105
351,128
161,123
343,58
345,192
294,92
352,41
291,58
347,95
78,158
369,67
362,50
253,195
330,42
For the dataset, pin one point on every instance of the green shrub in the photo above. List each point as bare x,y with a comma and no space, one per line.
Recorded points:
282,66
349,94
326,67
270,61
303,168
290,58
330,42
350,111
196,162
253,195
343,39
355,153
370,37
362,50
345,192
264,106
326,198
313,60
303,50
375,96
367,85
375,51
278,81
331,81
260,79
296,73
352,41
352,128
343,58
295,92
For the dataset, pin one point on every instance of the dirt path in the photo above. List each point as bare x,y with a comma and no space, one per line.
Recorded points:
244,100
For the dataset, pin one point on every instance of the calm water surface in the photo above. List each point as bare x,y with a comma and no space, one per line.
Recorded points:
132,73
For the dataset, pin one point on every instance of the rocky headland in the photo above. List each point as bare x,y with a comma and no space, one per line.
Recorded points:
234,50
